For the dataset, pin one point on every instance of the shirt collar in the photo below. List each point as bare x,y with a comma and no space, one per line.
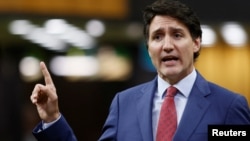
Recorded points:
184,86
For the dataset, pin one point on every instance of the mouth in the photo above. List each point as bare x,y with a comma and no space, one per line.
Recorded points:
169,58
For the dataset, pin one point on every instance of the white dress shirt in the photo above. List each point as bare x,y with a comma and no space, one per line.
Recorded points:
184,88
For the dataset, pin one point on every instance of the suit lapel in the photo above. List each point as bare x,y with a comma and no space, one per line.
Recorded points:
144,110
195,109
193,113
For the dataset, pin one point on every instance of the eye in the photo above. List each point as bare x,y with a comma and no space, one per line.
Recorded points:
157,37
177,35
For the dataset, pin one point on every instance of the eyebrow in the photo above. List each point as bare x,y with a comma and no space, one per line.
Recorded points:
178,29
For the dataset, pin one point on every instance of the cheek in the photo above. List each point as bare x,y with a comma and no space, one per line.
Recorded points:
151,50
186,54
154,47
188,49
153,54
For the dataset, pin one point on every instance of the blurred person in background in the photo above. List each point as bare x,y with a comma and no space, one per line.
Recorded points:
173,37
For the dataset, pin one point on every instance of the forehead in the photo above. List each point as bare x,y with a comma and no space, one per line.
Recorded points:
166,22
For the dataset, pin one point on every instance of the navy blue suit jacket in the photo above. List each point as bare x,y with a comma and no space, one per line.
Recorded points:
130,116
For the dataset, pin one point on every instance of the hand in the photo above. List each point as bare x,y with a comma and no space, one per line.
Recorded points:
45,97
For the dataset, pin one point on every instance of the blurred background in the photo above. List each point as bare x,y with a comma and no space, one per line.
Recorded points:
95,48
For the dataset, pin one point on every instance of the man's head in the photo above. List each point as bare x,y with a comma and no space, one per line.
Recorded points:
173,34
177,10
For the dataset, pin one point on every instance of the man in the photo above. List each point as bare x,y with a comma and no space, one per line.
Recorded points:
173,36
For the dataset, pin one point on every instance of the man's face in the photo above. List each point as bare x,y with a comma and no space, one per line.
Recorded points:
171,48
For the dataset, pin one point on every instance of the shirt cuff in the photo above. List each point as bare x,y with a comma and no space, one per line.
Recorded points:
47,125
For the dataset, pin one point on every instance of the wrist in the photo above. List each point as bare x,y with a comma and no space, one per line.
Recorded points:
46,125
52,118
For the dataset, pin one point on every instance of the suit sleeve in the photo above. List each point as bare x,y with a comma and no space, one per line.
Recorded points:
59,131
239,112
109,130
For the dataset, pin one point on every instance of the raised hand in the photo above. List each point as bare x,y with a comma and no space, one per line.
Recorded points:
45,97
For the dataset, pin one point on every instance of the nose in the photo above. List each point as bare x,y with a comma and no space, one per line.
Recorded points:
168,45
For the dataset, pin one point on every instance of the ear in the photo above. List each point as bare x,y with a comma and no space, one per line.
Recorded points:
197,44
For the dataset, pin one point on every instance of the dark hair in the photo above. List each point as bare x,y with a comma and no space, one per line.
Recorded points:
177,10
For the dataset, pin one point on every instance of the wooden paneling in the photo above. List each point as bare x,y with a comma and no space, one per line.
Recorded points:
100,8
227,66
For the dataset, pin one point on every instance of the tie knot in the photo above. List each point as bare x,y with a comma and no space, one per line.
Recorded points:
171,91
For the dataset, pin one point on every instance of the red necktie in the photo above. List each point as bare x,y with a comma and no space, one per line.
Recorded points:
168,119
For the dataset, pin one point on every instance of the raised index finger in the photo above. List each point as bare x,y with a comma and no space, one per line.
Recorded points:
46,74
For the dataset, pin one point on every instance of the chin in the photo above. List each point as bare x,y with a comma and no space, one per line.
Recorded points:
170,71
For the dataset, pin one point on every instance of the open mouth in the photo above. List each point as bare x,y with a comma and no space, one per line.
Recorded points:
169,58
